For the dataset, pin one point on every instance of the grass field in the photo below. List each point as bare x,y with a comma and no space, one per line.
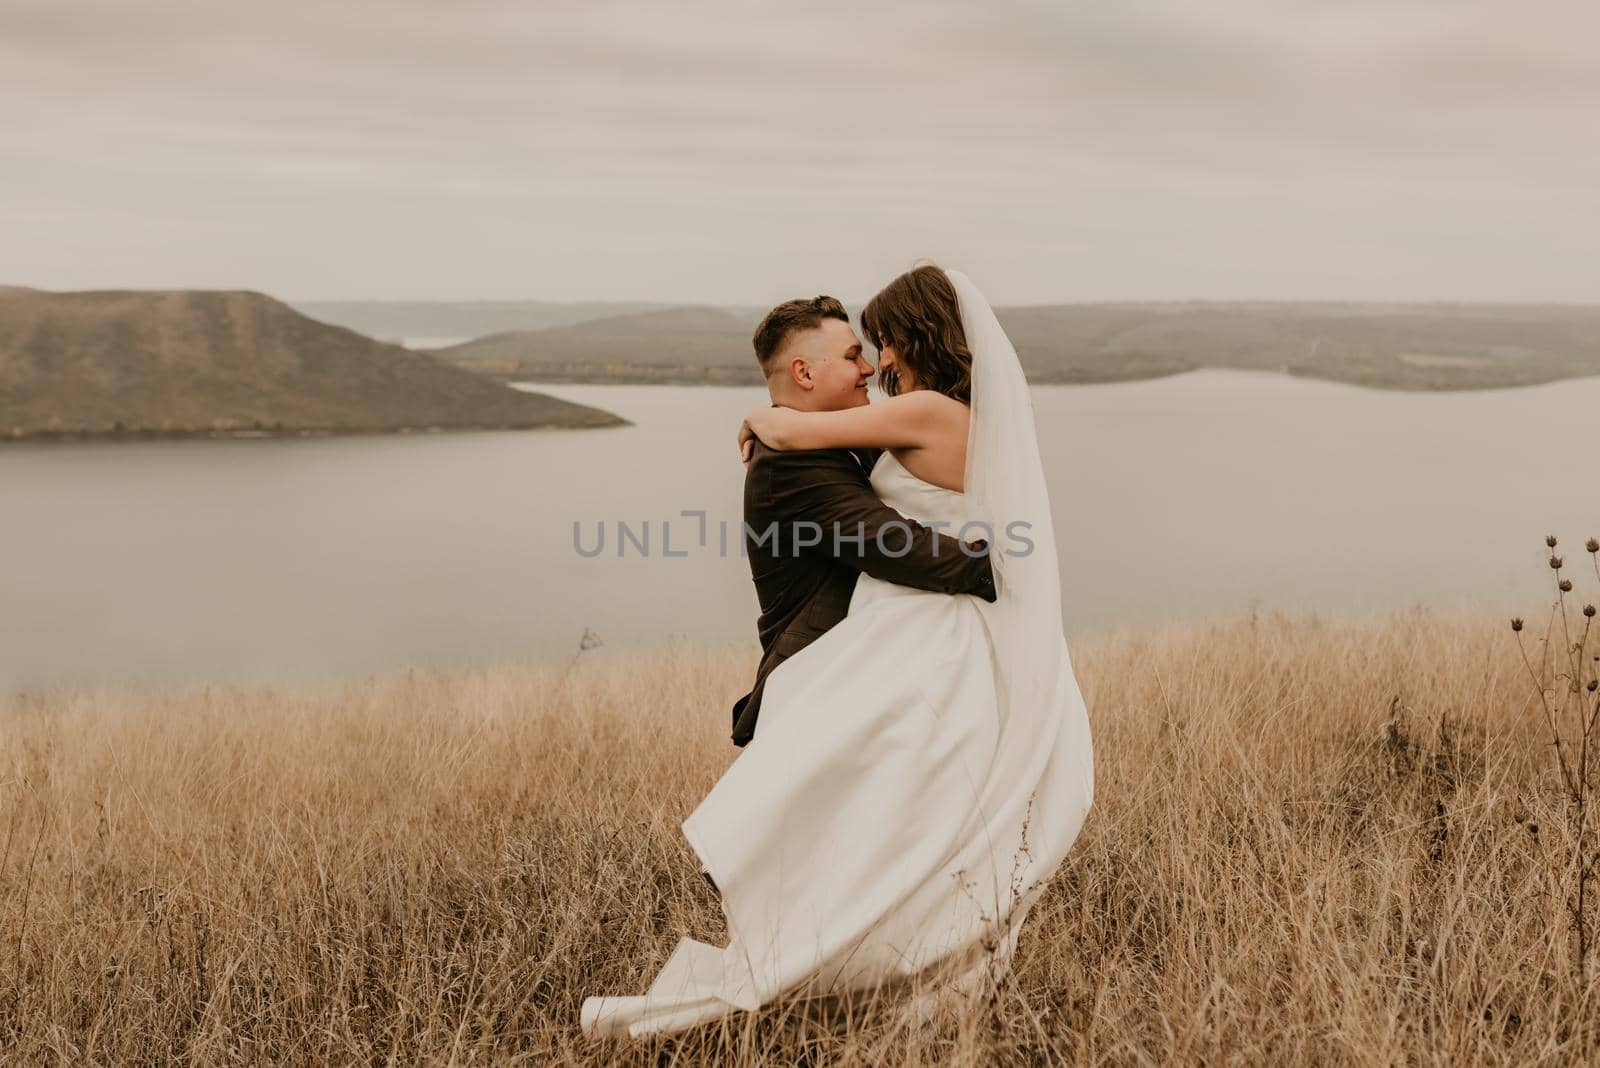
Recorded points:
1312,843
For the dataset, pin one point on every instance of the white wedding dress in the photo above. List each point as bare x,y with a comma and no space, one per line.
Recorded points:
916,776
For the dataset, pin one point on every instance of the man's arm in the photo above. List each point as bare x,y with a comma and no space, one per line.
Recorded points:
825,496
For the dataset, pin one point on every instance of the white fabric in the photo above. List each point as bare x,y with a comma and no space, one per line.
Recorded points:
873,828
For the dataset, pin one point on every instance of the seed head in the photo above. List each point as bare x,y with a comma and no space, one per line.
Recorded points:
1592,545
1566,585
1550,540
1516,623
1555,563
1593,685
1588,610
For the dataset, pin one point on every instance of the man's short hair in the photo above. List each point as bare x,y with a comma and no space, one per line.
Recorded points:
788,317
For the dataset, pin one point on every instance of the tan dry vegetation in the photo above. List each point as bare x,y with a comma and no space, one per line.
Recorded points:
1312,842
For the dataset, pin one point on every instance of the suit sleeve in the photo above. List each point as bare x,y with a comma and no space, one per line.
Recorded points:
823,493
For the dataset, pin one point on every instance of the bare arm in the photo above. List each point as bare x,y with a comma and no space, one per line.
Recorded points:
909,421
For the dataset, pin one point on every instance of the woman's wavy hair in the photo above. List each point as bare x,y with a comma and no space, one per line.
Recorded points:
918,313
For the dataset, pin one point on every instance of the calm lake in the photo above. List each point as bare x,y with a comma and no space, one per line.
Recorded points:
1197,495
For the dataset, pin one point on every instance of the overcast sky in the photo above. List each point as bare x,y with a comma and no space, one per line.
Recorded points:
747,152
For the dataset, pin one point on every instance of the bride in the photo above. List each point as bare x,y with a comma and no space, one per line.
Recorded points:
921,769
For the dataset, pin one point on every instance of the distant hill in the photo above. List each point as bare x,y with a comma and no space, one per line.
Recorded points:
393,320
232,363
684,344
1391,346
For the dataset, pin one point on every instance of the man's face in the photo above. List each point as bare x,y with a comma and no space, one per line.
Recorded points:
835,366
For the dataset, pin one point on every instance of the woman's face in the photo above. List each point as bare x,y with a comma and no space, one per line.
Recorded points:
889,366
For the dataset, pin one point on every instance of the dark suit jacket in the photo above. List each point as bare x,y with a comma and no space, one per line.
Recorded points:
805,589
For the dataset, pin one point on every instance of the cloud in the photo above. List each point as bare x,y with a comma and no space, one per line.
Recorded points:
733,151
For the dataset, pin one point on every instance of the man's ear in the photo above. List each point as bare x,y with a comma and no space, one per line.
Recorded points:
800,372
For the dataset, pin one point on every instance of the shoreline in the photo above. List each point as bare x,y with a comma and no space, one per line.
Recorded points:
567,660
681,378
33,437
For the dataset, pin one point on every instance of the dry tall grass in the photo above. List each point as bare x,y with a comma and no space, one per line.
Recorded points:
1312,843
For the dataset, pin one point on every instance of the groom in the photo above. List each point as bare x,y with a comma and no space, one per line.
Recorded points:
811,519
